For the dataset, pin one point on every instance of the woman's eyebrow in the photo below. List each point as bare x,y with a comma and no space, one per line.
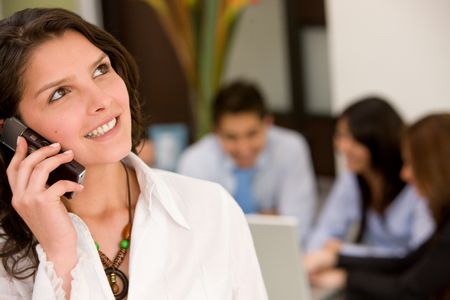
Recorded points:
51,84
61,81
102,57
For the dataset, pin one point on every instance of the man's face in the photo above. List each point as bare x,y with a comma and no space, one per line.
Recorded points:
243,136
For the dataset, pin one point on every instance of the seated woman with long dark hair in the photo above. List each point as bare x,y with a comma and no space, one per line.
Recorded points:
370,195
424,273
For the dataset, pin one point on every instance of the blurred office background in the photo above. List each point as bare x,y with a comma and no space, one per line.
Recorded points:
310,57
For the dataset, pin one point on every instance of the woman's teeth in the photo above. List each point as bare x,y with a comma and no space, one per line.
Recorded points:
101,130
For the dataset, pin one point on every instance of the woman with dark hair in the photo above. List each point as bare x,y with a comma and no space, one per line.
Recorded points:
392,219
76,86
424,273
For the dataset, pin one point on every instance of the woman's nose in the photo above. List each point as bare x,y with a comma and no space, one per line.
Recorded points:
97,100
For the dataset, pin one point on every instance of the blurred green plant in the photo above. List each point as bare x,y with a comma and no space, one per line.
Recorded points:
201,32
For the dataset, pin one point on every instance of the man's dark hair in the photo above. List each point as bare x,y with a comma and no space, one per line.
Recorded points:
239,96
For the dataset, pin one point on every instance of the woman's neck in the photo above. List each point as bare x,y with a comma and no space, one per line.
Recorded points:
105,191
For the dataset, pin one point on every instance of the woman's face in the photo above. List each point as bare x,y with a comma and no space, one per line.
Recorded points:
73,96
357,156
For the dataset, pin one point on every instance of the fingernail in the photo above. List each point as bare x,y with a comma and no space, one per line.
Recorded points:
67,152
19,138
54,145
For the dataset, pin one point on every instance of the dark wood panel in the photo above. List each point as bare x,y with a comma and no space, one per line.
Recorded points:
163,88
319,132
310,12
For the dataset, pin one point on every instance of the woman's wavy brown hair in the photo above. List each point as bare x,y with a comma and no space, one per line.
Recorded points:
426,144
20,34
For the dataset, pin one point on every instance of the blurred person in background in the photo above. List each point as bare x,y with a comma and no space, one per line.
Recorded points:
266,168
424,273
370,210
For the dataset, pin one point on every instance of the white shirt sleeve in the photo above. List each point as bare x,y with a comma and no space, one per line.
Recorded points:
49,286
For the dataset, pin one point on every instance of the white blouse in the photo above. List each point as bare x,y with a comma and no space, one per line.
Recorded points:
190,240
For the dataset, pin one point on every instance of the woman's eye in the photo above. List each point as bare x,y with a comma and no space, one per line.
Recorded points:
101,70
59,93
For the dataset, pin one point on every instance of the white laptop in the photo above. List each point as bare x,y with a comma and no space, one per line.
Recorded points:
280,257
277,248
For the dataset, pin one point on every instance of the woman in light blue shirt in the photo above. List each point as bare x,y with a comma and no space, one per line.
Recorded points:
370,210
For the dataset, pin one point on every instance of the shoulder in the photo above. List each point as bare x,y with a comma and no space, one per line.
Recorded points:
345,188
409,192
409,199
206,144
284,138
348,179
206,148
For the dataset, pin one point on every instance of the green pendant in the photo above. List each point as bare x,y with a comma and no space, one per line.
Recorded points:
124,244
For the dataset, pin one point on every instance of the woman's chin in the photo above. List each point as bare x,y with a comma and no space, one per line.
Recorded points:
112,156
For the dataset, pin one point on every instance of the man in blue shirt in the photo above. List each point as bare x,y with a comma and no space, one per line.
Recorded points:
266,168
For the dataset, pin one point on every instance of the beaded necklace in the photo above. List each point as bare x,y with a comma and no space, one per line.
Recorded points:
114,275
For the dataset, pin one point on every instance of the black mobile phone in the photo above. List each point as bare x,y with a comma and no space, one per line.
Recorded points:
13,128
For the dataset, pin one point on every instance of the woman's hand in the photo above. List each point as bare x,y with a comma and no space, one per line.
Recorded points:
329,279
333,245
40,206
322,259
319,260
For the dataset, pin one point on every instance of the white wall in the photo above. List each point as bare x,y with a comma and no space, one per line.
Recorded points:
399,49
316,72
259,52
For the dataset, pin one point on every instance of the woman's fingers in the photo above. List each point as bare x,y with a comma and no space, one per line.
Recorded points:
330,279
319,260
29,174
333,245
61,187
39,175
22,167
